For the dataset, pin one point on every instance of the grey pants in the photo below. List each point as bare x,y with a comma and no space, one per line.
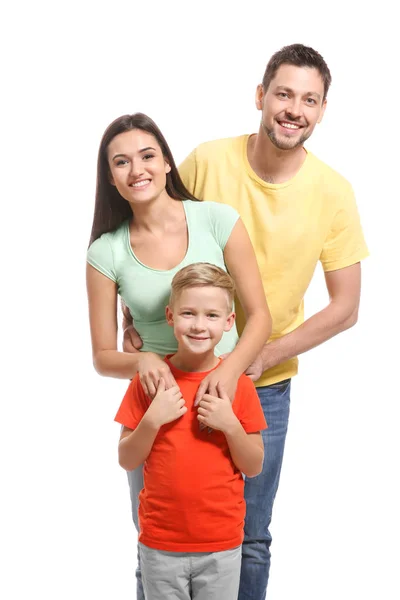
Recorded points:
190,575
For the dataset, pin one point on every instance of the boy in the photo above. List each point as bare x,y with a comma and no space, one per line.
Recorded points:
192,506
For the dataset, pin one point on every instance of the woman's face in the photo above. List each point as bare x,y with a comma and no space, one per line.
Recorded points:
137,166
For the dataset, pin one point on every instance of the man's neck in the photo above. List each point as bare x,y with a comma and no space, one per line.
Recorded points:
194,363
269,162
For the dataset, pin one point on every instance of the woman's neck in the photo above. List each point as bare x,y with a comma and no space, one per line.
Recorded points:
157,214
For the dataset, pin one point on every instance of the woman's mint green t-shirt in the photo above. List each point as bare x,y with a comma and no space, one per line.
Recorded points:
146,291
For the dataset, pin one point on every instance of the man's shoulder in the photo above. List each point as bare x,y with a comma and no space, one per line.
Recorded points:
215,149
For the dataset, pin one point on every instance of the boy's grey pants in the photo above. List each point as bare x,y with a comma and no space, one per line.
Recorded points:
190,575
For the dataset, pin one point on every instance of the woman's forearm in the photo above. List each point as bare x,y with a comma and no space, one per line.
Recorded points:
255,334
122,365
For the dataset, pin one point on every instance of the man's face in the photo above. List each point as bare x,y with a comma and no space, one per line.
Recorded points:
291,106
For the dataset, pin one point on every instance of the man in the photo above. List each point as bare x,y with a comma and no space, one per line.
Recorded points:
297,211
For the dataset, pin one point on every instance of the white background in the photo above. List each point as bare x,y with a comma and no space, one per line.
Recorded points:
69,68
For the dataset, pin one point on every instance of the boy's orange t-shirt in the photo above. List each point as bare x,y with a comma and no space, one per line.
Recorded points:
193,495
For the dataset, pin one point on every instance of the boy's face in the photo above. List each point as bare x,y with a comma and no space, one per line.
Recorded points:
199,316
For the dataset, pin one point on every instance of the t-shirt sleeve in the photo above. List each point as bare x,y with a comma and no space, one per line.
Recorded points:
100,256
133,406
188,172
223,219
345,244
247,406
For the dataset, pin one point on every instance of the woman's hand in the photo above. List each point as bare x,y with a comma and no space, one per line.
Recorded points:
223,376
151,369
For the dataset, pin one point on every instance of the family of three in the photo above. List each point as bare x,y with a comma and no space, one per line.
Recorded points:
236,232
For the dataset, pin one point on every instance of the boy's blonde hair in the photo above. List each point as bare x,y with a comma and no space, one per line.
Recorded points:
201,275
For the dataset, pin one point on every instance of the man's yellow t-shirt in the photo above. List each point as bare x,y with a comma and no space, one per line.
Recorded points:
292,225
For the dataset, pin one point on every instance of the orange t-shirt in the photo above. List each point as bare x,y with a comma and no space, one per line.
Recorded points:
193,495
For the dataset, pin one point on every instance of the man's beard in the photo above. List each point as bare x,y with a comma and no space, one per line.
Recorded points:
285,144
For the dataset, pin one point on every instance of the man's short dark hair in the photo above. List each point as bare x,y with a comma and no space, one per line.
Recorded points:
299,56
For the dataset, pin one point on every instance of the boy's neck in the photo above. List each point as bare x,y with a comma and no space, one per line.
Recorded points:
194,363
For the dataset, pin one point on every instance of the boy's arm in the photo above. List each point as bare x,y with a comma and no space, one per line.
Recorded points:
247,449
135,444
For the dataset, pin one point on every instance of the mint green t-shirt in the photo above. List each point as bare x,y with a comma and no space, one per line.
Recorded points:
146,291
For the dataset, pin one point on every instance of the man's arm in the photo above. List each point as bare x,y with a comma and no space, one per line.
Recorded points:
344,287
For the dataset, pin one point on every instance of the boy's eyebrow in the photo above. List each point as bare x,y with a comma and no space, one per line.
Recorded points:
195,308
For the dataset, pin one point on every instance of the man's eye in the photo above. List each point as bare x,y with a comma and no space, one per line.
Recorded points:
311,101
283,95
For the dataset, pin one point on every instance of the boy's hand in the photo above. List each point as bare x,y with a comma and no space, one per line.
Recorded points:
216,412
167,406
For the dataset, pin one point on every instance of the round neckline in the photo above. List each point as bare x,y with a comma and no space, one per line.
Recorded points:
178,266
189,374
266,184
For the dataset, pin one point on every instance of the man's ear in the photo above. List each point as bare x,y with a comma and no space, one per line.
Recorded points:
230,321
259,96
169,315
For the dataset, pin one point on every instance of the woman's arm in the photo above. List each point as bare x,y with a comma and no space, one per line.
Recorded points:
241,263
107,360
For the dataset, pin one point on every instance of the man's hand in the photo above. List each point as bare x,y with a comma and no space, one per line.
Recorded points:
216,412
131,341
167,406
256,369
151,370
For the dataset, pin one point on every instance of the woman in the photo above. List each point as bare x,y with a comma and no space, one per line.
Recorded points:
146,227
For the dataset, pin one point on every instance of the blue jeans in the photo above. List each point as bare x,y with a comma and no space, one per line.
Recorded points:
260,493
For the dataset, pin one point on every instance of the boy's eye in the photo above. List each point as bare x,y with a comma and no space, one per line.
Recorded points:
213,315
187,312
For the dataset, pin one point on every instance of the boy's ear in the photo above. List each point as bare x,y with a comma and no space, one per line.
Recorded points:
170,316
230,321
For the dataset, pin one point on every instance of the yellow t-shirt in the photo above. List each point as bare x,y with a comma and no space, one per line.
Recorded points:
292,225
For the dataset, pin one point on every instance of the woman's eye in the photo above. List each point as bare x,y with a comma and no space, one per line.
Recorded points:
148,156
121,161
